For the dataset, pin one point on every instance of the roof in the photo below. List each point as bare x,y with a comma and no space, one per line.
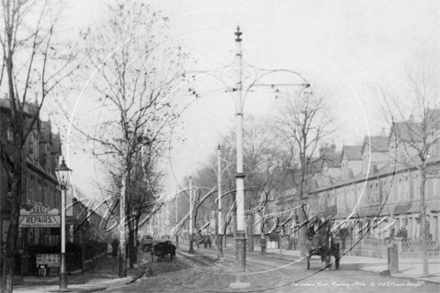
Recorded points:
377,143
316,165
56,144
407,131
390,168
352,152
333,160
434,114
6,103
45,132
411,131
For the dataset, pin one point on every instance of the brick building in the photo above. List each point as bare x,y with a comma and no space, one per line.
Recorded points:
42,152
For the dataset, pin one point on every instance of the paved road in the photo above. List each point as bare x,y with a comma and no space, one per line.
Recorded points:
269,274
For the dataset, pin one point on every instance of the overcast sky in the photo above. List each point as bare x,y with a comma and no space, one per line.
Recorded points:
348,49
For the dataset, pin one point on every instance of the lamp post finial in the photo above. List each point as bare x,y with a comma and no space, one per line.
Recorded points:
238,33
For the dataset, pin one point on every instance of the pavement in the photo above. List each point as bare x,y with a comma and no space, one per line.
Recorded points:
407,269
102,277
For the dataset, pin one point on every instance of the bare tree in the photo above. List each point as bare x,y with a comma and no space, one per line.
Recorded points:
264,156
304,123
33,66
135,71
415,139
141,200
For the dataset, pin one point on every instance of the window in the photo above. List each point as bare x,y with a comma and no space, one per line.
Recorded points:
364,195
10,134
31,189
35,146
416,186
437,187
395,190
369,193
376,192
429,188
344,204
31,145
350,197
406,187
39,194
400,187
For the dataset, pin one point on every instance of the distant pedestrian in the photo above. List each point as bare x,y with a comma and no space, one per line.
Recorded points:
115,246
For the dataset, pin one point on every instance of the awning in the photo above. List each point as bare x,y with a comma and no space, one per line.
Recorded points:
434,207
369,212
431,206
342,214
330,211
388,210
415,208
402,208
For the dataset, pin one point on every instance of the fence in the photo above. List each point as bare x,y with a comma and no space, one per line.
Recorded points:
415,245
408,248
77,256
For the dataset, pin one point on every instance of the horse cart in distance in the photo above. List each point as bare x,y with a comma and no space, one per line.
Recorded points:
325,247
160,248
322,241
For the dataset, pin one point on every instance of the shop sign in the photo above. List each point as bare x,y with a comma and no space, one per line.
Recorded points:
39,216
49,260
39,221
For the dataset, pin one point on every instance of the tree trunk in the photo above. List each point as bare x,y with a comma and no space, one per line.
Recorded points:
136,231
424,234
302,217
302,233
12,236
122,229
251,233
130,244
263,241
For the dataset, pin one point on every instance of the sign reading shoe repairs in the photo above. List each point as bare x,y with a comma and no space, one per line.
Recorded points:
39,216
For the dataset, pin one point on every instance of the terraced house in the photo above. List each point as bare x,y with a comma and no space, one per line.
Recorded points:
376,186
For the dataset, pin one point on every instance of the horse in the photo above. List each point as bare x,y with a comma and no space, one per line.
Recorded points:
328,246
161,249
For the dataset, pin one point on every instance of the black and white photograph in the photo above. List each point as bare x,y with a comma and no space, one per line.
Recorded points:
219,146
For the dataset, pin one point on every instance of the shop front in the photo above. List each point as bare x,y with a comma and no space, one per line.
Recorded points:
38,240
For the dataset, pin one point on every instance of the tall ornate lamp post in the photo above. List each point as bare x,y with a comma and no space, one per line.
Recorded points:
63,176
240,234
219,228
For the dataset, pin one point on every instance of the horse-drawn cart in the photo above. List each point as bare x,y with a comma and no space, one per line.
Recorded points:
160,248
313,248
324,247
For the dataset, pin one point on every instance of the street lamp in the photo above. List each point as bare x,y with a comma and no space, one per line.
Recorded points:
240,234
191,206
63,176
219,231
